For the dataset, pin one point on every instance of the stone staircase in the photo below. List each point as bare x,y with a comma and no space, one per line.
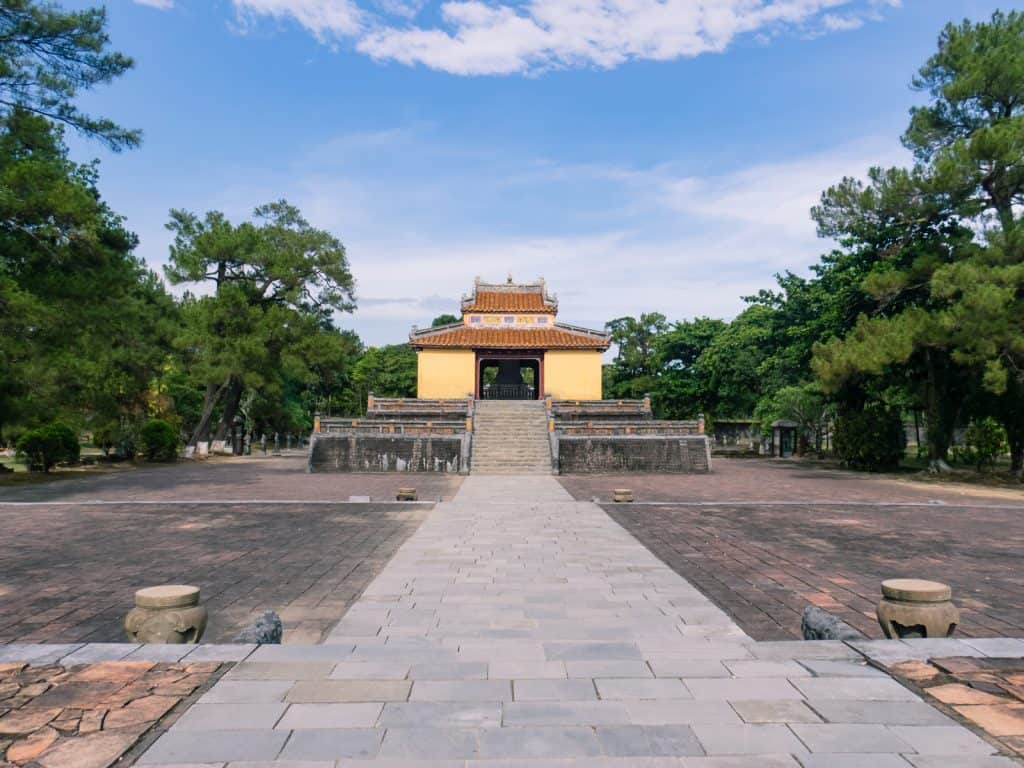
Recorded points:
510,437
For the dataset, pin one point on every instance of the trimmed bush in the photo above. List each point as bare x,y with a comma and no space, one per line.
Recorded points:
159,441
985,443
871,439
45,447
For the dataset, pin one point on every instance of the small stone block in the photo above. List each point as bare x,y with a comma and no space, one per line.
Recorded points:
622,495
406,494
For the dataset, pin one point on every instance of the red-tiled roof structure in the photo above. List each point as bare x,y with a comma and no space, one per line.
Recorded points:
462,337
510,297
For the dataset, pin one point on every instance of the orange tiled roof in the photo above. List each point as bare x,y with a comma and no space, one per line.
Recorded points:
509,301
460,336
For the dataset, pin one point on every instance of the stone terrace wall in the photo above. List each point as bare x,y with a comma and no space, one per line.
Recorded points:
386,452
633,453
414,408
600,410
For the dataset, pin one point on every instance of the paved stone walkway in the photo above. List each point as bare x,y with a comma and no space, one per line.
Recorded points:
519,627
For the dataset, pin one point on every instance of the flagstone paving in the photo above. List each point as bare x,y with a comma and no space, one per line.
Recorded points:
69,573
518,627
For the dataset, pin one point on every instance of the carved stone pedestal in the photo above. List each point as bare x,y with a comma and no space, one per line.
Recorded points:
406,494
166,614
622,495
917,608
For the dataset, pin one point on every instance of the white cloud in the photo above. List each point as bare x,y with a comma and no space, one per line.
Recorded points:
162,5
625,239
325,19
477,37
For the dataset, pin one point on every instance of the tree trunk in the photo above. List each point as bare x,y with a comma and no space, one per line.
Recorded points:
202,431
939,418
232,399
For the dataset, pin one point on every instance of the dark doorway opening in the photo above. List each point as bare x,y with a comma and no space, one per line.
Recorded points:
509,378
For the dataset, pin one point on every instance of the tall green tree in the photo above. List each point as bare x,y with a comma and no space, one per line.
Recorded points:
84,324
275,285
682,387
904,226
387,371
634,368
48,55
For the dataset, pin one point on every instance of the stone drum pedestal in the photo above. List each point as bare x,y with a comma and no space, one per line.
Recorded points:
167,614
917,608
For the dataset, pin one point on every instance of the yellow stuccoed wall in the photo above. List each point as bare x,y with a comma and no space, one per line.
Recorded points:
445,373
573,374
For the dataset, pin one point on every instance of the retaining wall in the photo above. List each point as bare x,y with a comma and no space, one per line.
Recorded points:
633,453
339,452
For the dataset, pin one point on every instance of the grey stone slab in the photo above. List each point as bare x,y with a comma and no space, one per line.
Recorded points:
37,653
539,743
452,670
642,688
295,670
883,712
553,690
999,647
747,739
853,761
663,667
333,744
92,653
592,669
338,691
526,670
441,715
592,652
775,712
544,713
221,652
681,712
803,649
461,690
304,653
961,761
241,691
849,737
429,743
766,668
648,741
178,746
160,652
747,689
306,716
854,688
230,717
731,761
830,668
942,740
704,649
370,670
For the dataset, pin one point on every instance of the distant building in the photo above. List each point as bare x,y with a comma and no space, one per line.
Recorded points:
509,346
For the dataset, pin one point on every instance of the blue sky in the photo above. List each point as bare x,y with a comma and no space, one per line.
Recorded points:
641,155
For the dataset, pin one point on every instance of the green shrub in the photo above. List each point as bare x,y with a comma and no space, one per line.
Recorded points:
871,438
159,441
45,447
985,442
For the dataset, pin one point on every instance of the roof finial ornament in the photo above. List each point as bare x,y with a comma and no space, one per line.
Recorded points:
509,278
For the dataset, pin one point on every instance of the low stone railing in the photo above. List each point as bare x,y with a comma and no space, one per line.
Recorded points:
589,410
402,408
664,428
391,427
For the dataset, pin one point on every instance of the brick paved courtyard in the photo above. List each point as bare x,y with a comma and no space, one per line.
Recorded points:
765,563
